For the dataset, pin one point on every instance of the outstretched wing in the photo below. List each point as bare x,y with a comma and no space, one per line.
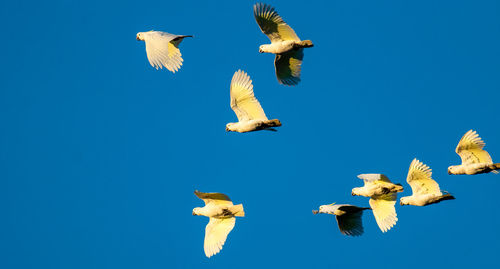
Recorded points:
351,223
384,210
214,197
288,66
373,178
420,179
470,149
216,233
162,50
243,101
272,24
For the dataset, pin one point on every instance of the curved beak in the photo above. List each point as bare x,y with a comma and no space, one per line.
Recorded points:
227,129
194,214
137,38
315,212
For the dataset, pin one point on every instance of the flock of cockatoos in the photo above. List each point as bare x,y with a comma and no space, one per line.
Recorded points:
162,51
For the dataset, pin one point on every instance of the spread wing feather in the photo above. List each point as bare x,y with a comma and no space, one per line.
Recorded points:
420,179
214,197
351,223
216,233
470,149
162,50
272,24
288,66
384,210
243,101
374,178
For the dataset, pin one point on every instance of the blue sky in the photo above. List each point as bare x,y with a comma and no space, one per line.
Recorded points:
100,153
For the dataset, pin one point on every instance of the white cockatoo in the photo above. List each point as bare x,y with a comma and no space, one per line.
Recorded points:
163,49
251,116
425,189
221,211
475,160
383,196
284,43
348,217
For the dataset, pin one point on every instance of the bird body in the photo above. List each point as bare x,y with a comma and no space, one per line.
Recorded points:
285,44
251,116
475,160
280,47
348,217
376,184
383,196
221,211
253,125
162,49
425,190
425,199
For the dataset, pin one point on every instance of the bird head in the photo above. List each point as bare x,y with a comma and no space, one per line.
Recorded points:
261,48
229,127
451,170
196,211
354,191
323,209
404,201
139,36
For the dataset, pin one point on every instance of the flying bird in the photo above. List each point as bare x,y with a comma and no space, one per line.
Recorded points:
285,44
348,217
383,196
251,116
163,49
475,160
221,211
425,189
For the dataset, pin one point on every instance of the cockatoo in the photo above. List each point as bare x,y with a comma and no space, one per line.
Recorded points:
221,211
425,190
284,43
383,196
162,49
251,116
475,160
348,217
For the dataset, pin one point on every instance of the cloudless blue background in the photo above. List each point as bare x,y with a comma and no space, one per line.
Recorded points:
100,153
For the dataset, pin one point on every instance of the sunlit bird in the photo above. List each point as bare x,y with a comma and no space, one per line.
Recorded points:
348,217
251,116
221,211
425,189
284,43
162,49
475,160
383,196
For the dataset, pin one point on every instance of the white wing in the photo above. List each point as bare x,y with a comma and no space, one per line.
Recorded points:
384,210
162,50
373,178
288,66
216,233
470,149
243,101
420,179
214,197
272,24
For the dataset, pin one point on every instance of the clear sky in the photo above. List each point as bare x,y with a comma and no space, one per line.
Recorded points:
100,153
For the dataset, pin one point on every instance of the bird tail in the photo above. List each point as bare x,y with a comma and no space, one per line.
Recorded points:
495,167
399,188
305,44
273,123
237,210
446,196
